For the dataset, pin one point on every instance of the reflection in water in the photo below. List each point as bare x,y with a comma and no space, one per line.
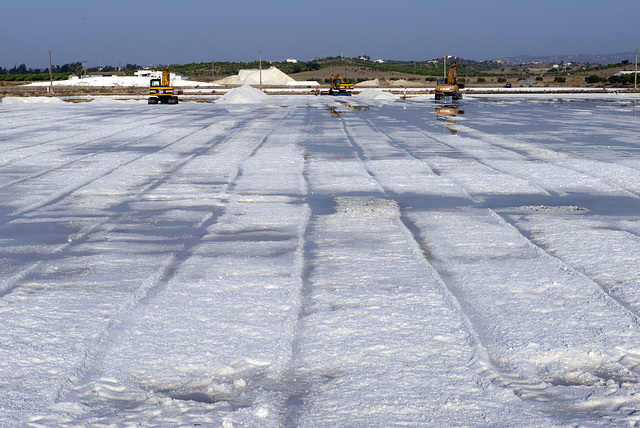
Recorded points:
448,114
335,112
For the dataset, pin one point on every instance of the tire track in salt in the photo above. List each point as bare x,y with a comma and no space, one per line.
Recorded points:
517,147
375,217
87,138
421,248
82,375
626,306
522,386
148,287
9,284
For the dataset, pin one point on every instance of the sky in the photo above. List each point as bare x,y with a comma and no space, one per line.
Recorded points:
177,32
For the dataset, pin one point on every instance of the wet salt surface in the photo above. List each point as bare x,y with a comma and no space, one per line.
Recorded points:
278,263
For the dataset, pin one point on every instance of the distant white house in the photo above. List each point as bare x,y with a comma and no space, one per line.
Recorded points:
145,72
622,73
379,61
292,60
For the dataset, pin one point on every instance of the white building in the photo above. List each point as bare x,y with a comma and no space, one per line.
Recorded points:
150,74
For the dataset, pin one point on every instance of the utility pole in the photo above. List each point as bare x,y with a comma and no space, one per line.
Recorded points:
50,75
635,76
84,67
445,65
260,53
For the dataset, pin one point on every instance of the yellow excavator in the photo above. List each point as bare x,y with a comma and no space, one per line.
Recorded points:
448,87
161,91
339,86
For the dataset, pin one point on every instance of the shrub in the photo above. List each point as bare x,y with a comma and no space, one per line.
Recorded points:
624,79
594,78
560,79
481,80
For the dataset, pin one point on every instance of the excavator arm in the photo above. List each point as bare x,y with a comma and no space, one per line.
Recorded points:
452,77
166,77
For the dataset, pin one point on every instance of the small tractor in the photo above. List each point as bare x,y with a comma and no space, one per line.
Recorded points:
161,91
338,86
448,87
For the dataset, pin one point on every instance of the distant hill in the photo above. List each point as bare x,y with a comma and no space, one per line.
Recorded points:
604,59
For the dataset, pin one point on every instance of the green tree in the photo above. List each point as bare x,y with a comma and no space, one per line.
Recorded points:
593,78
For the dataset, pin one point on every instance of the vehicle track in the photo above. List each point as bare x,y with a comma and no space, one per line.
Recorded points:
528,389
117,321
45,141
77,238
626,306
95,354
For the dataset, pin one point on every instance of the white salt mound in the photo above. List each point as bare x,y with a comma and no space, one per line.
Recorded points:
271,76
30,100
243,95
376,94
369,83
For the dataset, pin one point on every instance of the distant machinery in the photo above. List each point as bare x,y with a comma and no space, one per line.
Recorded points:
339,86
161,91
448,87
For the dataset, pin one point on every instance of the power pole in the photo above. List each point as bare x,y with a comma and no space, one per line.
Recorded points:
445,65
260,53
84,67
50,75
635,76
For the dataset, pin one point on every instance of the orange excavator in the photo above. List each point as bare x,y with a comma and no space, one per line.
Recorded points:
448,87
161,91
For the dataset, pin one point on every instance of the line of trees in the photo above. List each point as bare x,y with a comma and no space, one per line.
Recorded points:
20,73
624,79
22,69
70,68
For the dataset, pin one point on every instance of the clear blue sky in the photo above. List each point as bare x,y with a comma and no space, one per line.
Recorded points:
109,32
